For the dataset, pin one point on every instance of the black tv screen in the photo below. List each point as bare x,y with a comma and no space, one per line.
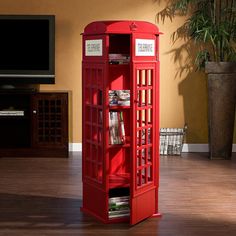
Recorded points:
27,49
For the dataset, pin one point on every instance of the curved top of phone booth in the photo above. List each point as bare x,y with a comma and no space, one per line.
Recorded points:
123,27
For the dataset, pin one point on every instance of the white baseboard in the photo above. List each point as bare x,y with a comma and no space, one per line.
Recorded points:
234,148
195,147
75,147
200,147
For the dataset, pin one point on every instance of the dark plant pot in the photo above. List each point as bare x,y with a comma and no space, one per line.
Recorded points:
221,106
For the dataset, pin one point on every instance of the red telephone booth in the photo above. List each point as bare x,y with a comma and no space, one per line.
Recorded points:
120,120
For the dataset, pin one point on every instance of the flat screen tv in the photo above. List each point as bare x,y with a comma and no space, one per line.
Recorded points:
27,49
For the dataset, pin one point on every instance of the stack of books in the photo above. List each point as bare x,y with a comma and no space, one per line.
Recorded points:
119,97
119,207
116,58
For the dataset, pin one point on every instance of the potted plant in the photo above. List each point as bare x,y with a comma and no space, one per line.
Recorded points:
212,26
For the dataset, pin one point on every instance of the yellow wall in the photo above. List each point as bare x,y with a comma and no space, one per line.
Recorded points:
183,97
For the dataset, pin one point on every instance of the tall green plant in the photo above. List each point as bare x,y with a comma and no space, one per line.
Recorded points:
212,25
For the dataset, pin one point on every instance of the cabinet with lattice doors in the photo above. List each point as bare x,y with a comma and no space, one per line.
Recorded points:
34,124
50,120
120,76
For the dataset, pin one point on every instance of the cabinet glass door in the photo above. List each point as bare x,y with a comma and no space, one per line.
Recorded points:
93,124
144,189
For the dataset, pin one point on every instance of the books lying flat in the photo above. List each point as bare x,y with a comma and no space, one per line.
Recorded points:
118,199
119,215
120,211
119,207
119,97
119,58
11,113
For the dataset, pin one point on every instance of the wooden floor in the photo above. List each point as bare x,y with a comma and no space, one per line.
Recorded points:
42,197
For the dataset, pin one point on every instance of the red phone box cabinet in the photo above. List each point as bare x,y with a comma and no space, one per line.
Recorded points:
120,157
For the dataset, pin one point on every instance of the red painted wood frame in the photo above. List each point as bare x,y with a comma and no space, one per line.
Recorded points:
134,165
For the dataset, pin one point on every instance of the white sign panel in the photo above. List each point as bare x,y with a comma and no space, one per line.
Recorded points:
93,47
144,47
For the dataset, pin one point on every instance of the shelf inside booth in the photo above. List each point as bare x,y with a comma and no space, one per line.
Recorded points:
125,145
119,180
119,167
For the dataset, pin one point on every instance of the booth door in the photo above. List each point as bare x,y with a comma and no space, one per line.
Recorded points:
144,156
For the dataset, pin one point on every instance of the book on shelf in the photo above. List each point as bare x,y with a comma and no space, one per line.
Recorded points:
116,127
119,212
122,127
119,97
118,199
119,215
118,205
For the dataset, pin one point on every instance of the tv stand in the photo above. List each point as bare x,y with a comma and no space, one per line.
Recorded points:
33,123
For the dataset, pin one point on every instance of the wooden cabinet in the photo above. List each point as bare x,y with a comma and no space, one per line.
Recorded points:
34,124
